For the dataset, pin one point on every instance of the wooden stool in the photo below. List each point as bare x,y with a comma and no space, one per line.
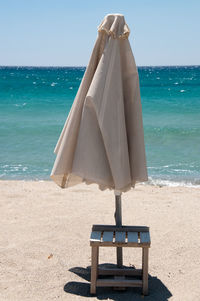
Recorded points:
124,236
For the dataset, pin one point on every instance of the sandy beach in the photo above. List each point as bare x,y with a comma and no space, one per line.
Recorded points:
44,240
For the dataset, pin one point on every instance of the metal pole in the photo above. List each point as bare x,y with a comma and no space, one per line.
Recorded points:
118,219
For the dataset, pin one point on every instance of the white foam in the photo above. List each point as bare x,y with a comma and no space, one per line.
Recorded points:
161,183
181,170
20,105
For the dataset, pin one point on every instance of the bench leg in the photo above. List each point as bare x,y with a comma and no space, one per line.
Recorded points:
94,269
145,255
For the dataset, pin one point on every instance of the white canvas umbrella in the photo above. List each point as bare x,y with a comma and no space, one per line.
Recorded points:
102,140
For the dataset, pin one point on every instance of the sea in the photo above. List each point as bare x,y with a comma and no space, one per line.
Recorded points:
35,102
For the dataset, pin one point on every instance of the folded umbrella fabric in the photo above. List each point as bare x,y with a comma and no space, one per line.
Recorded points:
102,140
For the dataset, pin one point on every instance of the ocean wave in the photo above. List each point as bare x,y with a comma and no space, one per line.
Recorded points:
20,104
53,84
7,169
172,183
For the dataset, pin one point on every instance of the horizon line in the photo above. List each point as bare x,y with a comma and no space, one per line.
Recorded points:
81,66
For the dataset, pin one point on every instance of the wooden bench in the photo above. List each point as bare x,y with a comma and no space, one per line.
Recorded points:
123,236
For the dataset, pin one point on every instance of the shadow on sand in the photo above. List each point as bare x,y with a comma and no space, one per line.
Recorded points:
157,290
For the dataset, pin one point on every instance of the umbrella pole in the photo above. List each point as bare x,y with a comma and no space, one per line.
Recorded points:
118,219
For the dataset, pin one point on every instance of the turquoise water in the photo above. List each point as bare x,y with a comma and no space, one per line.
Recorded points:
34,104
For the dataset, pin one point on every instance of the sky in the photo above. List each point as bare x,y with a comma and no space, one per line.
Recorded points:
63,33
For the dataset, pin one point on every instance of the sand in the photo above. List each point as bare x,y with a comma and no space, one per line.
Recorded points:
44,240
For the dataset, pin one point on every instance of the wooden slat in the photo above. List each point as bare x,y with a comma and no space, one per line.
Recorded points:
119,244
144,238
117,288
120,283
120,229
120,272
120,237
108,236
132,237
95,236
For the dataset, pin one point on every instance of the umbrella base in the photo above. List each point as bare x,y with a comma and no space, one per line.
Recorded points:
119,237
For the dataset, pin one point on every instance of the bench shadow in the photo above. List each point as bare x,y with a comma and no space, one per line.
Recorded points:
157,290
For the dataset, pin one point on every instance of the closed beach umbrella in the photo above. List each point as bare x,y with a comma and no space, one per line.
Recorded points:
102,140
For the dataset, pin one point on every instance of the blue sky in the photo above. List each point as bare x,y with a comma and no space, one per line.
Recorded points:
62,32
